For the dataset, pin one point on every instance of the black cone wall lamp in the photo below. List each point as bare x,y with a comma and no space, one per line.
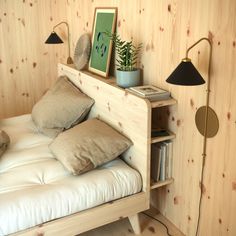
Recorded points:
55,39
206,119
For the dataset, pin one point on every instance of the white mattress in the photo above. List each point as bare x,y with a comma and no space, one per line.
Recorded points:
35,187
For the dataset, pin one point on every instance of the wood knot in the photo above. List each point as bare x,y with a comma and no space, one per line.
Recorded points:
234,186
188,32
152,229
191,102
178,123
176,200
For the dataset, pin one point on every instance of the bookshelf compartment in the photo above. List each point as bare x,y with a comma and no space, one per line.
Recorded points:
161,183
161,137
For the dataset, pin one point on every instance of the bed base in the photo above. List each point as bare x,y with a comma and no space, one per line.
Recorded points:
131,116
93,218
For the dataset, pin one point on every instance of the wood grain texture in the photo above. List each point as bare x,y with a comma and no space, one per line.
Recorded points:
166,29
89,219
135,223
27,65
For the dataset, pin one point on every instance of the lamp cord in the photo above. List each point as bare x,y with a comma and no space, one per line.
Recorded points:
167,230
201,195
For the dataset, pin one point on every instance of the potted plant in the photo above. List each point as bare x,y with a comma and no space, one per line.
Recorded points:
127,75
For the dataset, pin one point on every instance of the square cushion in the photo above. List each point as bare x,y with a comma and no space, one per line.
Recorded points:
88,145
60,108
4,141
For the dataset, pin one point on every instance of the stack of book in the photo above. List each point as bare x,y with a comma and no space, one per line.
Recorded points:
150,92
161,161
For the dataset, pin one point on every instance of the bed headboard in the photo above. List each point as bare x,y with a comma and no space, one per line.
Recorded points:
125,112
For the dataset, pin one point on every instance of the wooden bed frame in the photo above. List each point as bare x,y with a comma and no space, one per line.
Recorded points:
131,116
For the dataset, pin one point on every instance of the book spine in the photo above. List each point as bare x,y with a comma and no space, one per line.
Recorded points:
155,162
169,159
163,163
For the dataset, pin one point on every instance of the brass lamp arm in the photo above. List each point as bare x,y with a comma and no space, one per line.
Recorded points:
207,92
68,33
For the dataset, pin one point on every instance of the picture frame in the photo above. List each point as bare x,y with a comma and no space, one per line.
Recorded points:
104,21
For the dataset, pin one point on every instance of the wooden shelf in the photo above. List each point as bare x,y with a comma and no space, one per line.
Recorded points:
162,138
163,103
161,183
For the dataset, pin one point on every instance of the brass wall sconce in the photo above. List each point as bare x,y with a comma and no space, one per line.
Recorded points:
55,39
206,119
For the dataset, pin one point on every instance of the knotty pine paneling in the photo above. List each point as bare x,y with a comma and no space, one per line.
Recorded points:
27,65
166,29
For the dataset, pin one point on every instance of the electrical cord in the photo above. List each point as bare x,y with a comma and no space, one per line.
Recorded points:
199,205
201,195
167,230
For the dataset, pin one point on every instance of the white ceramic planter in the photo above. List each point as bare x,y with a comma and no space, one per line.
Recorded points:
126,79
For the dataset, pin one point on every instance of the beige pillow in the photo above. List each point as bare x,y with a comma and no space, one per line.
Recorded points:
60,108
4,141
88,145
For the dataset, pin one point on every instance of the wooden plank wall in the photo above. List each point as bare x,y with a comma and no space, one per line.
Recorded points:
166,29
27,65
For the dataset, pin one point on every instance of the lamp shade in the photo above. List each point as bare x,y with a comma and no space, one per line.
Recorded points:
185,74
53,39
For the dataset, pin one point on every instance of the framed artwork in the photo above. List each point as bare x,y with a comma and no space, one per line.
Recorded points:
104,21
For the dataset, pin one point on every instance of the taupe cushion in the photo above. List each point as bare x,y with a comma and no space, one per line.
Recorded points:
60,108
4,141
88,145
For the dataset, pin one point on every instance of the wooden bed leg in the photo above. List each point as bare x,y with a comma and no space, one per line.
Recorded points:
134,221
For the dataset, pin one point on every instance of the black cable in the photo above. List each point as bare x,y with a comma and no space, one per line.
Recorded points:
167,230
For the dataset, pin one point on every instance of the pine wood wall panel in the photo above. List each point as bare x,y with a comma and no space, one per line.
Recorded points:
166,29
27,65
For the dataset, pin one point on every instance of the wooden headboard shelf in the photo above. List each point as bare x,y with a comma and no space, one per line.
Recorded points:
125,112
